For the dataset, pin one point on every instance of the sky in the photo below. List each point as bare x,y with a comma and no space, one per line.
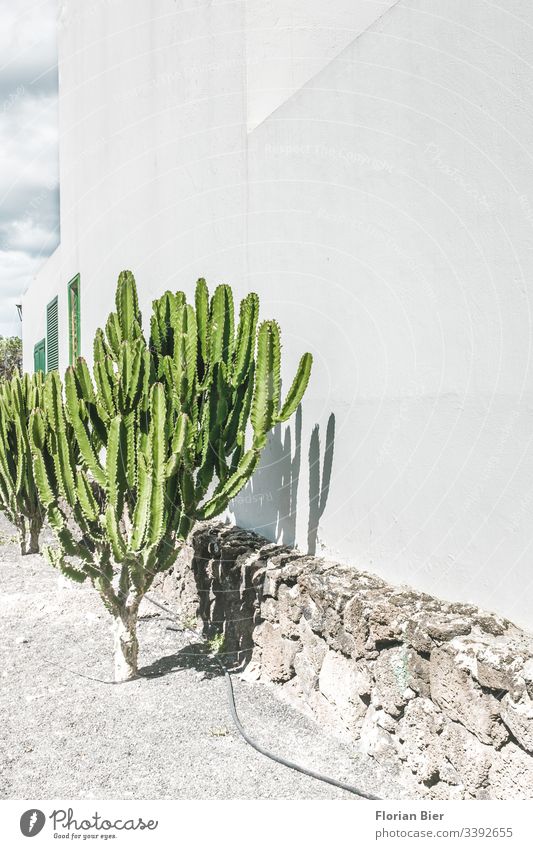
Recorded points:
29,183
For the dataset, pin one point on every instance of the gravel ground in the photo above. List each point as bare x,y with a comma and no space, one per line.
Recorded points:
166,735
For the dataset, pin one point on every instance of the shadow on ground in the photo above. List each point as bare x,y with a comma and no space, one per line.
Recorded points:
193,656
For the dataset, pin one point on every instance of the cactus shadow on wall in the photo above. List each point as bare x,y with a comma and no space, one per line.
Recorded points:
268,503
319,481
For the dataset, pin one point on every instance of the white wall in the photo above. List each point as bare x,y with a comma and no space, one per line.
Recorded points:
152,149
382,205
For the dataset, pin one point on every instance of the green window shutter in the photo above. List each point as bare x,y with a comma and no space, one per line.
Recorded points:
39,356
74,319
52,336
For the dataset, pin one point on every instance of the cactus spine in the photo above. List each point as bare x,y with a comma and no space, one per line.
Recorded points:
124,459
19,498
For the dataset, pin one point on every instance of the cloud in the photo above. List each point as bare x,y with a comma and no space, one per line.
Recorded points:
16,268
29,181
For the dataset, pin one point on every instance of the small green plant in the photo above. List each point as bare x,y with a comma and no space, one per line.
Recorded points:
216,644
19,497
127,459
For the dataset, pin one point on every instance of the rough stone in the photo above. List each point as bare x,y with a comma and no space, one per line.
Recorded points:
289,608
511,774
398,678
527,677
308,661
470,758
518,717
460,697
417,734
342,683
497,664
377,741
277,652
445,629
271,582
390,681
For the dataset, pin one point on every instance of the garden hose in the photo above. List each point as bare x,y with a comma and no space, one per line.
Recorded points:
356,791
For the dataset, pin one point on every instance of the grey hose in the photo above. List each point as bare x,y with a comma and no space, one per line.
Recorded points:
235,717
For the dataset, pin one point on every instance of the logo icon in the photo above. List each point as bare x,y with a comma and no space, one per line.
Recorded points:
32,822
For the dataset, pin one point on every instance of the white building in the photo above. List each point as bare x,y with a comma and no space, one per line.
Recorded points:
366,166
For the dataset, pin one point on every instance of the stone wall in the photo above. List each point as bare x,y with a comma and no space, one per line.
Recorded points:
440,693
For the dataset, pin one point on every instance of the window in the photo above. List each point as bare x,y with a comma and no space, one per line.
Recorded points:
74,319
38,356
52,336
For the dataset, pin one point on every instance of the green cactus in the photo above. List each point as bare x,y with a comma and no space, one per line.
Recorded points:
19,498
124,460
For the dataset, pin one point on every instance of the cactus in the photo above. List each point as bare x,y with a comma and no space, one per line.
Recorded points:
19,498
126,460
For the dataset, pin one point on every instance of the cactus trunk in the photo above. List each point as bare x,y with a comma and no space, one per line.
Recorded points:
126,644
36,524
30,528
21,525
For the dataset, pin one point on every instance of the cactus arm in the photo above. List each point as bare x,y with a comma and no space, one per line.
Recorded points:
5,472
231,431
201,299
136,572
204,476
105,383
40,472
56,559
181,433
298,387
232,487
100,347
142,505
267,382
190,350
166,555
118,545
221,325
115,459
177,359
86,499
131,454
114,334
135,386
80,430
158,458
60,445
246,408
65,537
244,347
126,374
128,306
